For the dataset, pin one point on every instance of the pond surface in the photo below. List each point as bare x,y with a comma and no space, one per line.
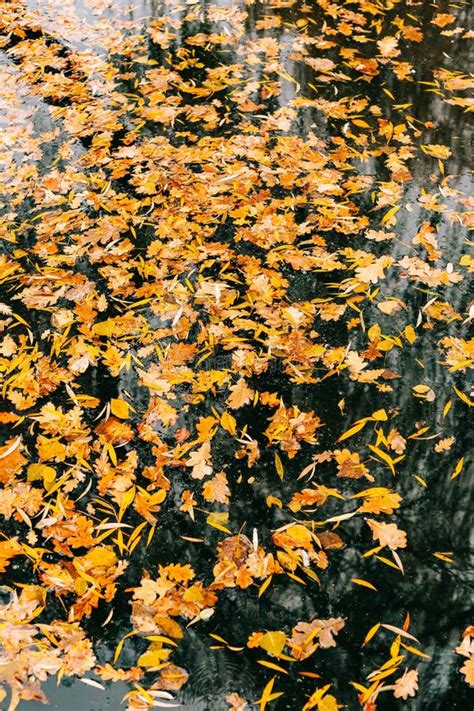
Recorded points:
213,94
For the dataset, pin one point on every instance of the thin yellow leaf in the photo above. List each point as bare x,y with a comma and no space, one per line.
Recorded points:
272,666
457,469
364,583
371,633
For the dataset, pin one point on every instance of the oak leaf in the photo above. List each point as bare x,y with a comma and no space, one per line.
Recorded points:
388,534
406,685
198,461
216,489
444,444
467,670
236,702
240,395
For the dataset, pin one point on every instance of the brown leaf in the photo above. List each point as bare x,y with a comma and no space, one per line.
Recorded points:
216,489
468,670
406,685
198,461
388,534
236,702
240,395
444,444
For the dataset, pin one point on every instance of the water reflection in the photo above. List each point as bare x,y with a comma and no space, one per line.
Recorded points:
439,517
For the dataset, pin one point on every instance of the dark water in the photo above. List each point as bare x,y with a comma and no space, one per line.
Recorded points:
437,595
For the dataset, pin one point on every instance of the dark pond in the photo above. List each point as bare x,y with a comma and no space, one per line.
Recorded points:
437,595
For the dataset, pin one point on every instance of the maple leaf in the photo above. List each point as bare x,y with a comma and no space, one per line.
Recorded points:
355,362
293,536
206,428
315,496
8,346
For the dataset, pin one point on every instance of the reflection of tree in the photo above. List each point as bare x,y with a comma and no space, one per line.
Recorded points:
427,514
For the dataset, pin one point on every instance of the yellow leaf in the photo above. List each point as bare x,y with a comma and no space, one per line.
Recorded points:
416,651
410,334
327,703
384,456
352,430
112,454
359,687
421,481
462,396
80,586
269,665
360,123
390,214
273,642
120,408
265,585
299,533
380,415
364,584
119,647
154,656
388,562
447,407
279,466
371,633
229,423
38,472
316,697
217,520
458,469
418,433
104,328
444,557
126,501
267,695
160,638
218,638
